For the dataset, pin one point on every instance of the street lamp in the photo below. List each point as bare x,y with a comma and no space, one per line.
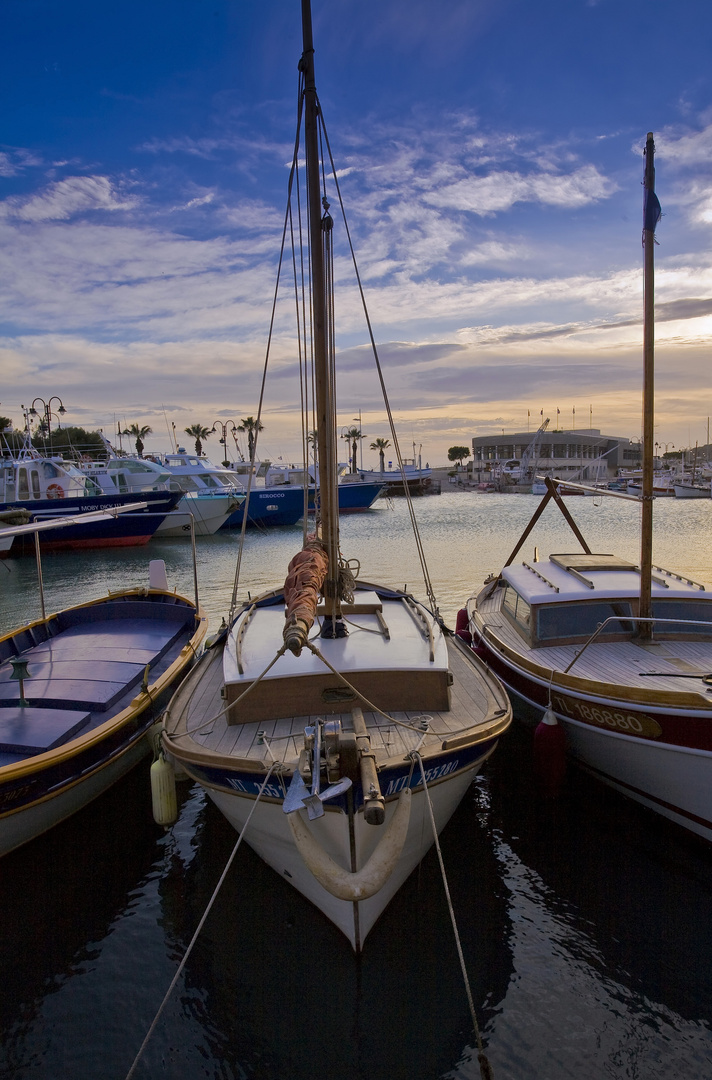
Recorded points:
47,414
357,420
223,438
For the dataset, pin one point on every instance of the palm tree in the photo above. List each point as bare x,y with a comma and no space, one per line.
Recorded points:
381,445
139,434
353,435
198,432
252,427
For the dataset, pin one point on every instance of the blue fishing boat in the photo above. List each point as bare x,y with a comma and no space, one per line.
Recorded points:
49,487
79,692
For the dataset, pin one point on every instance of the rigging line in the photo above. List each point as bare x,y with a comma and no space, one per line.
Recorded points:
345,681
238,565
250,688
486,1071
305,484
199,927
409,501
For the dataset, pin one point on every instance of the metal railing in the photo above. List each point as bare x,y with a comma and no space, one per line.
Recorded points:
635,619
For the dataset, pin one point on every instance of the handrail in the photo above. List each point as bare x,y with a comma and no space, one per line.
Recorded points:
630,618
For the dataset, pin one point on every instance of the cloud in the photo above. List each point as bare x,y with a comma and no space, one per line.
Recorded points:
685,149
499,191
66,199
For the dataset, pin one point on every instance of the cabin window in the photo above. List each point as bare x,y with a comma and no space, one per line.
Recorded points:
36,488
517,607
123,486
23,488
50,472
579,621
695,610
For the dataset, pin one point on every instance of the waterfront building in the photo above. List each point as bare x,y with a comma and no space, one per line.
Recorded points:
586,455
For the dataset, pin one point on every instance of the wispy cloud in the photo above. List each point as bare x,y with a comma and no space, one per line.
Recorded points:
68,198
498,191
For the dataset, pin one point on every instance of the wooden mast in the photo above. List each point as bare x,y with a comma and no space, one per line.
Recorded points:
651,213
328,528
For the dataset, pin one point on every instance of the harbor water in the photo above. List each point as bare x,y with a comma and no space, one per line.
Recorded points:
585,922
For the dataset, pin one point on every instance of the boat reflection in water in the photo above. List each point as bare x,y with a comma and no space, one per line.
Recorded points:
586,956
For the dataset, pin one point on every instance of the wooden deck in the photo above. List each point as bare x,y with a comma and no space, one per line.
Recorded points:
620,662
197,718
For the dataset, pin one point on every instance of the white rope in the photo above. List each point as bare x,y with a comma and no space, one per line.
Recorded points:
345,681
486,1071
199,927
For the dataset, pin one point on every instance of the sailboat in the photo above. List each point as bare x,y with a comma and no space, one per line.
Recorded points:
337,724
618,654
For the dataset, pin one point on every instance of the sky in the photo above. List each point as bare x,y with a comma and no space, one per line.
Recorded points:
489,155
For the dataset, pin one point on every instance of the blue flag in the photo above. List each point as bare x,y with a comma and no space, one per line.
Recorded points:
651,210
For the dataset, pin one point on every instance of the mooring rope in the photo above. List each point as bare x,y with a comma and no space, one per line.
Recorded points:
486,1070
199,927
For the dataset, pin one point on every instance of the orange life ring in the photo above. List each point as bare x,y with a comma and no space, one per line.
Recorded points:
55,491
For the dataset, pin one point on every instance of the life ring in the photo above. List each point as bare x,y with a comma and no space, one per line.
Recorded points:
55,491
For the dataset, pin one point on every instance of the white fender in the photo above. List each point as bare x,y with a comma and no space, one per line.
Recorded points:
371,877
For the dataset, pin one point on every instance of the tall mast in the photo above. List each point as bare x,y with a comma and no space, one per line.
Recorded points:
324,390
651,214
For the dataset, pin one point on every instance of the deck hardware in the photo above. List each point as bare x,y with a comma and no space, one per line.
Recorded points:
20,672
540,576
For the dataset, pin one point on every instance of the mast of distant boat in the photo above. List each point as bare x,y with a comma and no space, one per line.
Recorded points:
651,214
328,525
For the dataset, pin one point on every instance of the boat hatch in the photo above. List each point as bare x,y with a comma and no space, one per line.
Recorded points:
582,562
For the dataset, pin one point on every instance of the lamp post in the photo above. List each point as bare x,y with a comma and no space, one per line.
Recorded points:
357,420
223,438
47,414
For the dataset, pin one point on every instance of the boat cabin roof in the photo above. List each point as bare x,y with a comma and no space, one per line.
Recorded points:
580,576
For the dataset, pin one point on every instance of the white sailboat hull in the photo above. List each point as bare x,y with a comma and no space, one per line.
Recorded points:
674,781
691,491
270,836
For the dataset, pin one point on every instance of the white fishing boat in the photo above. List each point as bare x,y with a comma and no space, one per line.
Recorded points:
692,490
206,507
337,724
619,654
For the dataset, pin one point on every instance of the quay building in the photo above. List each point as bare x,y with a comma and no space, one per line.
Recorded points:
586,455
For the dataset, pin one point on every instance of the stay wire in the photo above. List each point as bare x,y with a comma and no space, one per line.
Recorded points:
233,602
391,422
486,1070
199,927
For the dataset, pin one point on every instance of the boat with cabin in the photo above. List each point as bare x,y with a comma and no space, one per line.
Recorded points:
205,509
617,654
336,723
50,487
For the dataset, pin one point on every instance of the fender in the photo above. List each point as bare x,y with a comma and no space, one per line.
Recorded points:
370,878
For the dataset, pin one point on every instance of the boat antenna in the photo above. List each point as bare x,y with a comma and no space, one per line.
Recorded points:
651,216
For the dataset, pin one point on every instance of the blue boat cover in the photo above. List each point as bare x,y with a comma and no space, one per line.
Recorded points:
32,731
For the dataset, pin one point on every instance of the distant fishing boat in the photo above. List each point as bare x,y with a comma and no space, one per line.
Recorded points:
337,724
200,509
618,654
49,487
79,690
355,492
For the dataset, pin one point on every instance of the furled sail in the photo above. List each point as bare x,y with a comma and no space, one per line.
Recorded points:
305,577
